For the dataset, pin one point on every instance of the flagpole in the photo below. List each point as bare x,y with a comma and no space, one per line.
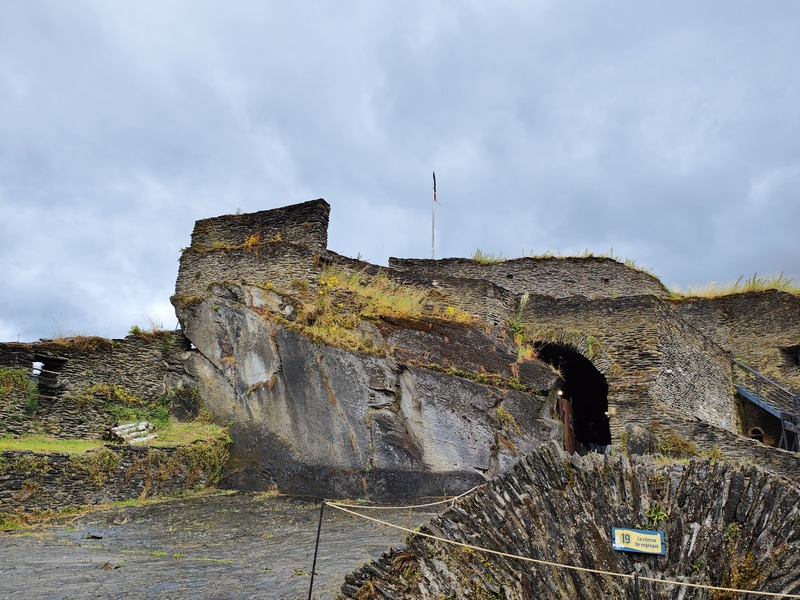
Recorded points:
433,217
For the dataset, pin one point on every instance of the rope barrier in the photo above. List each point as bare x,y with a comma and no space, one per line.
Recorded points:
450,501
559,565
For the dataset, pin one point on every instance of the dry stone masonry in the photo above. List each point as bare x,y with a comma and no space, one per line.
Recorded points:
724,526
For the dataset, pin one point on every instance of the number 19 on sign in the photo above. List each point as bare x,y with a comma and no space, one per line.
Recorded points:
637,540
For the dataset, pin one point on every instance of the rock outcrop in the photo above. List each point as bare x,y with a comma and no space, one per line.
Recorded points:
318,420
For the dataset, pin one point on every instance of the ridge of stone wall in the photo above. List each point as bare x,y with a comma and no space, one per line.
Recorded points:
35,481
304,223
724,525
557,277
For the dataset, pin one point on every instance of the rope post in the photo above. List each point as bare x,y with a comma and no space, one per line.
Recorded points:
636,586
316,549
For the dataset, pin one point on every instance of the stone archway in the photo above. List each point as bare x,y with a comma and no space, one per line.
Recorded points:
582,398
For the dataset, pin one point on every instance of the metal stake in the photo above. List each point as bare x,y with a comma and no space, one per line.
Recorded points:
316,549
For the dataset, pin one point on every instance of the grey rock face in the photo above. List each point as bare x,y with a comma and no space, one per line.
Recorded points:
321,421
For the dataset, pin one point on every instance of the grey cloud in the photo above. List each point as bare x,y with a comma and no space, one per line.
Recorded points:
667,131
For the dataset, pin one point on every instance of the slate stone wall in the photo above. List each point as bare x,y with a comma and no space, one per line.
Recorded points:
279,263
146,366
32,481
648,354
275,245
556,277
695,374
303,224
755,327
724,525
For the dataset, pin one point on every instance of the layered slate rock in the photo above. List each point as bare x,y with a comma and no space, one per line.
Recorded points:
321,421
725,525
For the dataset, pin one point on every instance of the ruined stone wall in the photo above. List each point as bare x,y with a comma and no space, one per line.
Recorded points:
618,336
279,263
145,366
649,356
724,525
24,411
702,438
302,224
754,327
695,374
491,303
273,245
32,481
556,277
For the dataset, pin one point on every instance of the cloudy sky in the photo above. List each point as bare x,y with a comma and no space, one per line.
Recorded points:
666,131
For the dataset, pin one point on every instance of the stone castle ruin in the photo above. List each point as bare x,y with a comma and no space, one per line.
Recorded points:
626,357
339,378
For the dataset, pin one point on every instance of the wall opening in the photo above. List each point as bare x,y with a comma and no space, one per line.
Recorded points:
48,368
791,354
583,398
756,433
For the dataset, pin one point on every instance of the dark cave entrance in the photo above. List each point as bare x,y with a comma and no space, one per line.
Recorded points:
582,398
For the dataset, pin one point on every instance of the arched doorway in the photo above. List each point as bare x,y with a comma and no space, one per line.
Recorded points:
582,398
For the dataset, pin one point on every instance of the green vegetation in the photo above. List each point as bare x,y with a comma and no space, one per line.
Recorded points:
742,573
99,466
178,434
506,419
331,310
252,243
493,379
43,443
16,385
174,433
84,343
655,515
13,380
185,301
124,405
670,444
757,283
487,258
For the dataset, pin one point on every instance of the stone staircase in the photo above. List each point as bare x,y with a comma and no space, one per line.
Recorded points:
774,399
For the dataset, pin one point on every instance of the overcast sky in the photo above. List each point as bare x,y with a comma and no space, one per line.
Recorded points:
668,131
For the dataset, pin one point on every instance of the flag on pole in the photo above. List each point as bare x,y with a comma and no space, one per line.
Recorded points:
434,186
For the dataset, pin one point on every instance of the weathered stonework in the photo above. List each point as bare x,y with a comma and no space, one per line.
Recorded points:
32,481
555,277
724,525
146,366
651,358
756,327
654,357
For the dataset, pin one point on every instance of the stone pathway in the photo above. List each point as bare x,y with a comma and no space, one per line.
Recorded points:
222,545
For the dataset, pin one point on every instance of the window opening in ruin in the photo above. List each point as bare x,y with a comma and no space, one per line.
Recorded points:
756,433
791,355
586,391
49,368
